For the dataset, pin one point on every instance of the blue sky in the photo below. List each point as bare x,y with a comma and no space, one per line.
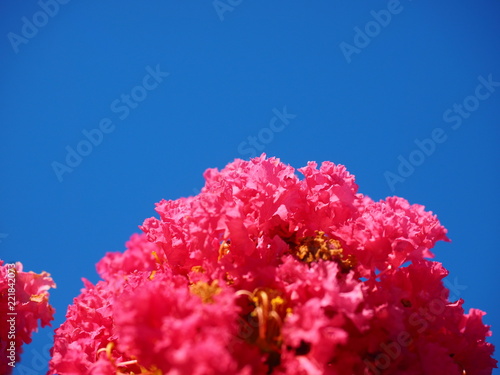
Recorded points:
404,93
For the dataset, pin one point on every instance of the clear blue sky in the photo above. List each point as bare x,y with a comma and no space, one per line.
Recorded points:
367,82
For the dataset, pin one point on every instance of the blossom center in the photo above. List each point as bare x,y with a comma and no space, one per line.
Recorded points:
320,247
205,290
130,367
269,310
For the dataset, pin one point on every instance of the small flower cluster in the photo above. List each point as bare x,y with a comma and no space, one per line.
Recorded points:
267,273
24,302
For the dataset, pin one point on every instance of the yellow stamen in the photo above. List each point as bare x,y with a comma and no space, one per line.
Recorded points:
122,366
198,269
127,363
320,247
155,255
108,349
270,310
228,279
224,249
37,297
206,291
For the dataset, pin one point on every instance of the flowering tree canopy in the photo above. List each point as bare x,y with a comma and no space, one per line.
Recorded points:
267,273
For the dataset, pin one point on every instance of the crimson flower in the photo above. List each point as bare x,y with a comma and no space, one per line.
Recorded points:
24,302
267,273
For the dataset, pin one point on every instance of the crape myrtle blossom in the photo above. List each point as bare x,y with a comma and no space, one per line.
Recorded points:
24,303
267,273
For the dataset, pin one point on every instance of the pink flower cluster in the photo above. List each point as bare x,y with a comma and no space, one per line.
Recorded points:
24,301
267,273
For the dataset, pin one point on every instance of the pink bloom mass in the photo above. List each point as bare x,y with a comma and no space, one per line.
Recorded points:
264,272
24,303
